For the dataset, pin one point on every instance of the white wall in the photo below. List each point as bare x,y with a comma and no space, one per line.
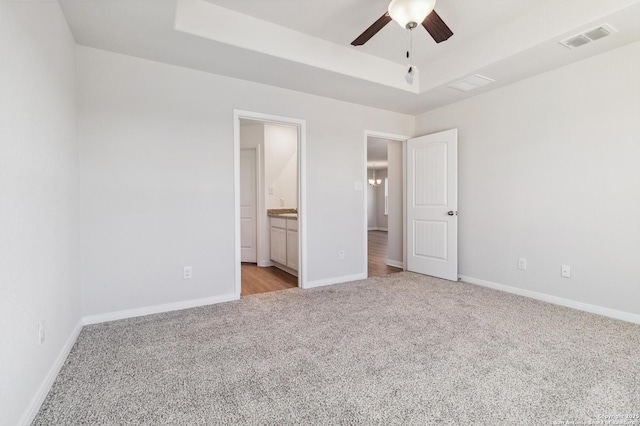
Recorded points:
39,220
251,134
381,218
157,179
396,209
548,171
372,204
281,166
376,219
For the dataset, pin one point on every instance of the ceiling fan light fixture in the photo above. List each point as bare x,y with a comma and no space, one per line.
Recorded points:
410,13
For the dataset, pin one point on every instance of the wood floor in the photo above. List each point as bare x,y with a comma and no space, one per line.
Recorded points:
377,253
261,280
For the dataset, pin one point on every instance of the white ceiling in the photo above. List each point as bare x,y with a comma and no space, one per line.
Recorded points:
304,45
377,153
343,21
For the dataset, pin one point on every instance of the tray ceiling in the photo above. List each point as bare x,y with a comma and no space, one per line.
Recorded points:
304,45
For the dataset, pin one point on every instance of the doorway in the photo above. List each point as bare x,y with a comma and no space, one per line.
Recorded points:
384,204
429,206
270,203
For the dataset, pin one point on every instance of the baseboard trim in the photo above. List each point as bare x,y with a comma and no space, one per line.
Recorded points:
263,264
594,309
286,269
375,228
335,280
395,263
45,387
157,309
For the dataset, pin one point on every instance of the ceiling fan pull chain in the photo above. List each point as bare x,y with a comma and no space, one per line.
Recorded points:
411,71
410,44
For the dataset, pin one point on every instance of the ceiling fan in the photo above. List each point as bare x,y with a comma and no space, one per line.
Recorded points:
409,14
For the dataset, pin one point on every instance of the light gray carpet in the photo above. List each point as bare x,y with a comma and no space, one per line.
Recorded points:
405,349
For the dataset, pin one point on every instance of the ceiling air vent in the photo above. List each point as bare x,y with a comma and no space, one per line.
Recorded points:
577,41
470,83
588,36
597,33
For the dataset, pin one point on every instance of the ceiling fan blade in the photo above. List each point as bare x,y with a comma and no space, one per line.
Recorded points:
434,24
372,30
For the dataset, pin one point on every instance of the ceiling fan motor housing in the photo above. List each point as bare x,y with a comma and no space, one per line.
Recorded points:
410,13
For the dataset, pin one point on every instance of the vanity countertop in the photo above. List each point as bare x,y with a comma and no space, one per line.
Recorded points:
285,213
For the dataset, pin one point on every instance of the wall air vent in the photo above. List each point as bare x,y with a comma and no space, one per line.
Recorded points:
470,83
588,36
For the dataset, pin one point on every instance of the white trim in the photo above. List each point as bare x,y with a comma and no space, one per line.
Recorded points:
336,280
236,194
404,205
382,135
265,264
395,263
261,210
45,387
302,188
286,269
157,309
302,203
607,312
375,228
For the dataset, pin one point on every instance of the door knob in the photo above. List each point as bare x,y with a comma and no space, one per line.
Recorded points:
450,213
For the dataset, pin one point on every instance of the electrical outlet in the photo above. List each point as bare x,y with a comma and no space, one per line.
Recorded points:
566,271
522,263
187,273
41,332
341,255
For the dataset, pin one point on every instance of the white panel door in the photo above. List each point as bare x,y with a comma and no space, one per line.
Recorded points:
248,201
432,205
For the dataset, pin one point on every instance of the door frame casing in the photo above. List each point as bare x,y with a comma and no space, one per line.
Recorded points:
301,125
392,137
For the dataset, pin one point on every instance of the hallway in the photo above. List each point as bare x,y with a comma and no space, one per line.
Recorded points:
377,255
